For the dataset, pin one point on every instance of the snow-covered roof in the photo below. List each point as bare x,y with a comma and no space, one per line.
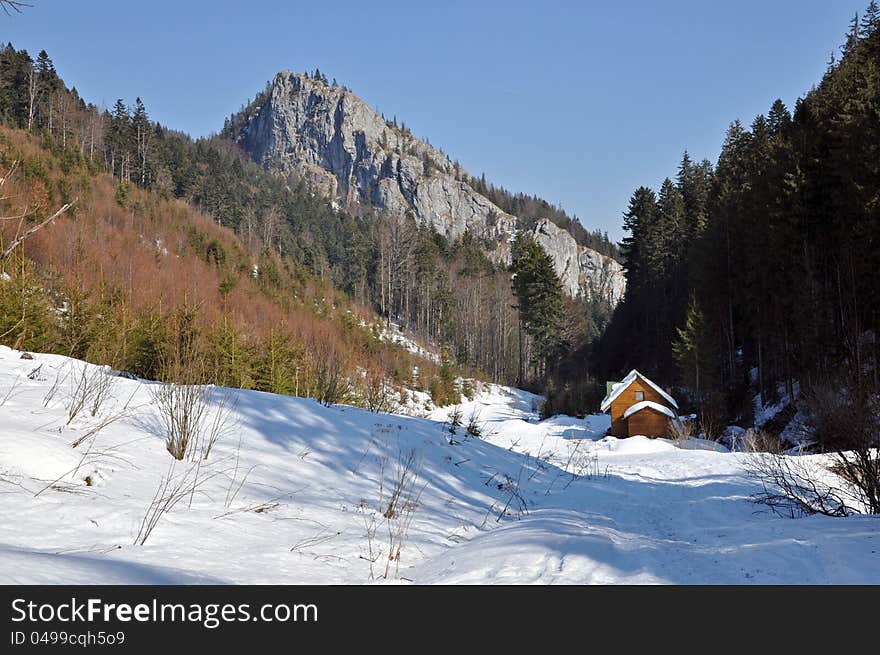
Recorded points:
649,404
621,386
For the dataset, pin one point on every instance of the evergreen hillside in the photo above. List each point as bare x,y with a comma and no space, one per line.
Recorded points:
759,276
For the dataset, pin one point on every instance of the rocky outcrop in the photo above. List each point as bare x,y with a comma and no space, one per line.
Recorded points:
326,134
582,271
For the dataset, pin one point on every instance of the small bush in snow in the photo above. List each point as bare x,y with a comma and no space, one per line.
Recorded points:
681,430
181,409
377,394
756,440
454,422
474,427
189,427
90,387
173,488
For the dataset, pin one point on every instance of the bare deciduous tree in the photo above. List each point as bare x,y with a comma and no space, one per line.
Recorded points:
846,421
19,236
10,6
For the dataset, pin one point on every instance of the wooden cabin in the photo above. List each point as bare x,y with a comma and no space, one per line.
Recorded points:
639,406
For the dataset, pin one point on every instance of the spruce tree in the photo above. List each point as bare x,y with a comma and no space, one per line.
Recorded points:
539,300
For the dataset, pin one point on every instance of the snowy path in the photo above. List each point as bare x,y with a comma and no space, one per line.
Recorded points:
598,510
654,514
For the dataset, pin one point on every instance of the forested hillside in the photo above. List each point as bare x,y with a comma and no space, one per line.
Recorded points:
148,285
250,235
760,275
160,268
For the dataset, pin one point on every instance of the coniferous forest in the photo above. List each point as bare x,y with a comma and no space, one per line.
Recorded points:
760,274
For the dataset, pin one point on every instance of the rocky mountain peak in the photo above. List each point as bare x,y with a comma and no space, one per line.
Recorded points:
327,135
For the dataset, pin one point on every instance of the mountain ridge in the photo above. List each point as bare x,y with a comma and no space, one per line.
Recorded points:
301,126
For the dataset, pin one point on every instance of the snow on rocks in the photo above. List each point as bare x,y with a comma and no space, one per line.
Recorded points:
393,334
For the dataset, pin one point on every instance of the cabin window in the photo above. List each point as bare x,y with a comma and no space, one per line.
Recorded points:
640,395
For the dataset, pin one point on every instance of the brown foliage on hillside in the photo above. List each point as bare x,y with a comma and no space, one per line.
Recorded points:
127,274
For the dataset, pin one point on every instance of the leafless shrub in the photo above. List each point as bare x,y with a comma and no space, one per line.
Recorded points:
404,499
541,461
194,417
331,384
101,389
236,483
182,410
91,457
261,507
10,391
171,490
794,486
324,535
220,423
50,394
371,526
402,483
846,422
90,387
79,394
681,430
712,421
756,440
399,497
377,394
580,465
586,466
93,431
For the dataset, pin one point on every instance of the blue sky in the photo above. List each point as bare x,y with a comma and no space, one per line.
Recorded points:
577,102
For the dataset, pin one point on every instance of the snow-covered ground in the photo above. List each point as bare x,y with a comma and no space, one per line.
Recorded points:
394,334
291,494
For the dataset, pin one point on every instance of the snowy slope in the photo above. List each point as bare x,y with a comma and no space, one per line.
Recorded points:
579,508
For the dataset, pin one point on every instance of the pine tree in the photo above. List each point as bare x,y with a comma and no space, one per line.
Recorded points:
870,19
853,35
44,66
638,221
695,352
539,300
779,118
120,140
141,131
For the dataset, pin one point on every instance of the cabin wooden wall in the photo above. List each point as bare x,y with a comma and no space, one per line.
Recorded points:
626,400
648,422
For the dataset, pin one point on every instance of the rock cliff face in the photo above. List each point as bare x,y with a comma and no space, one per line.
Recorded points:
581,270
328,135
